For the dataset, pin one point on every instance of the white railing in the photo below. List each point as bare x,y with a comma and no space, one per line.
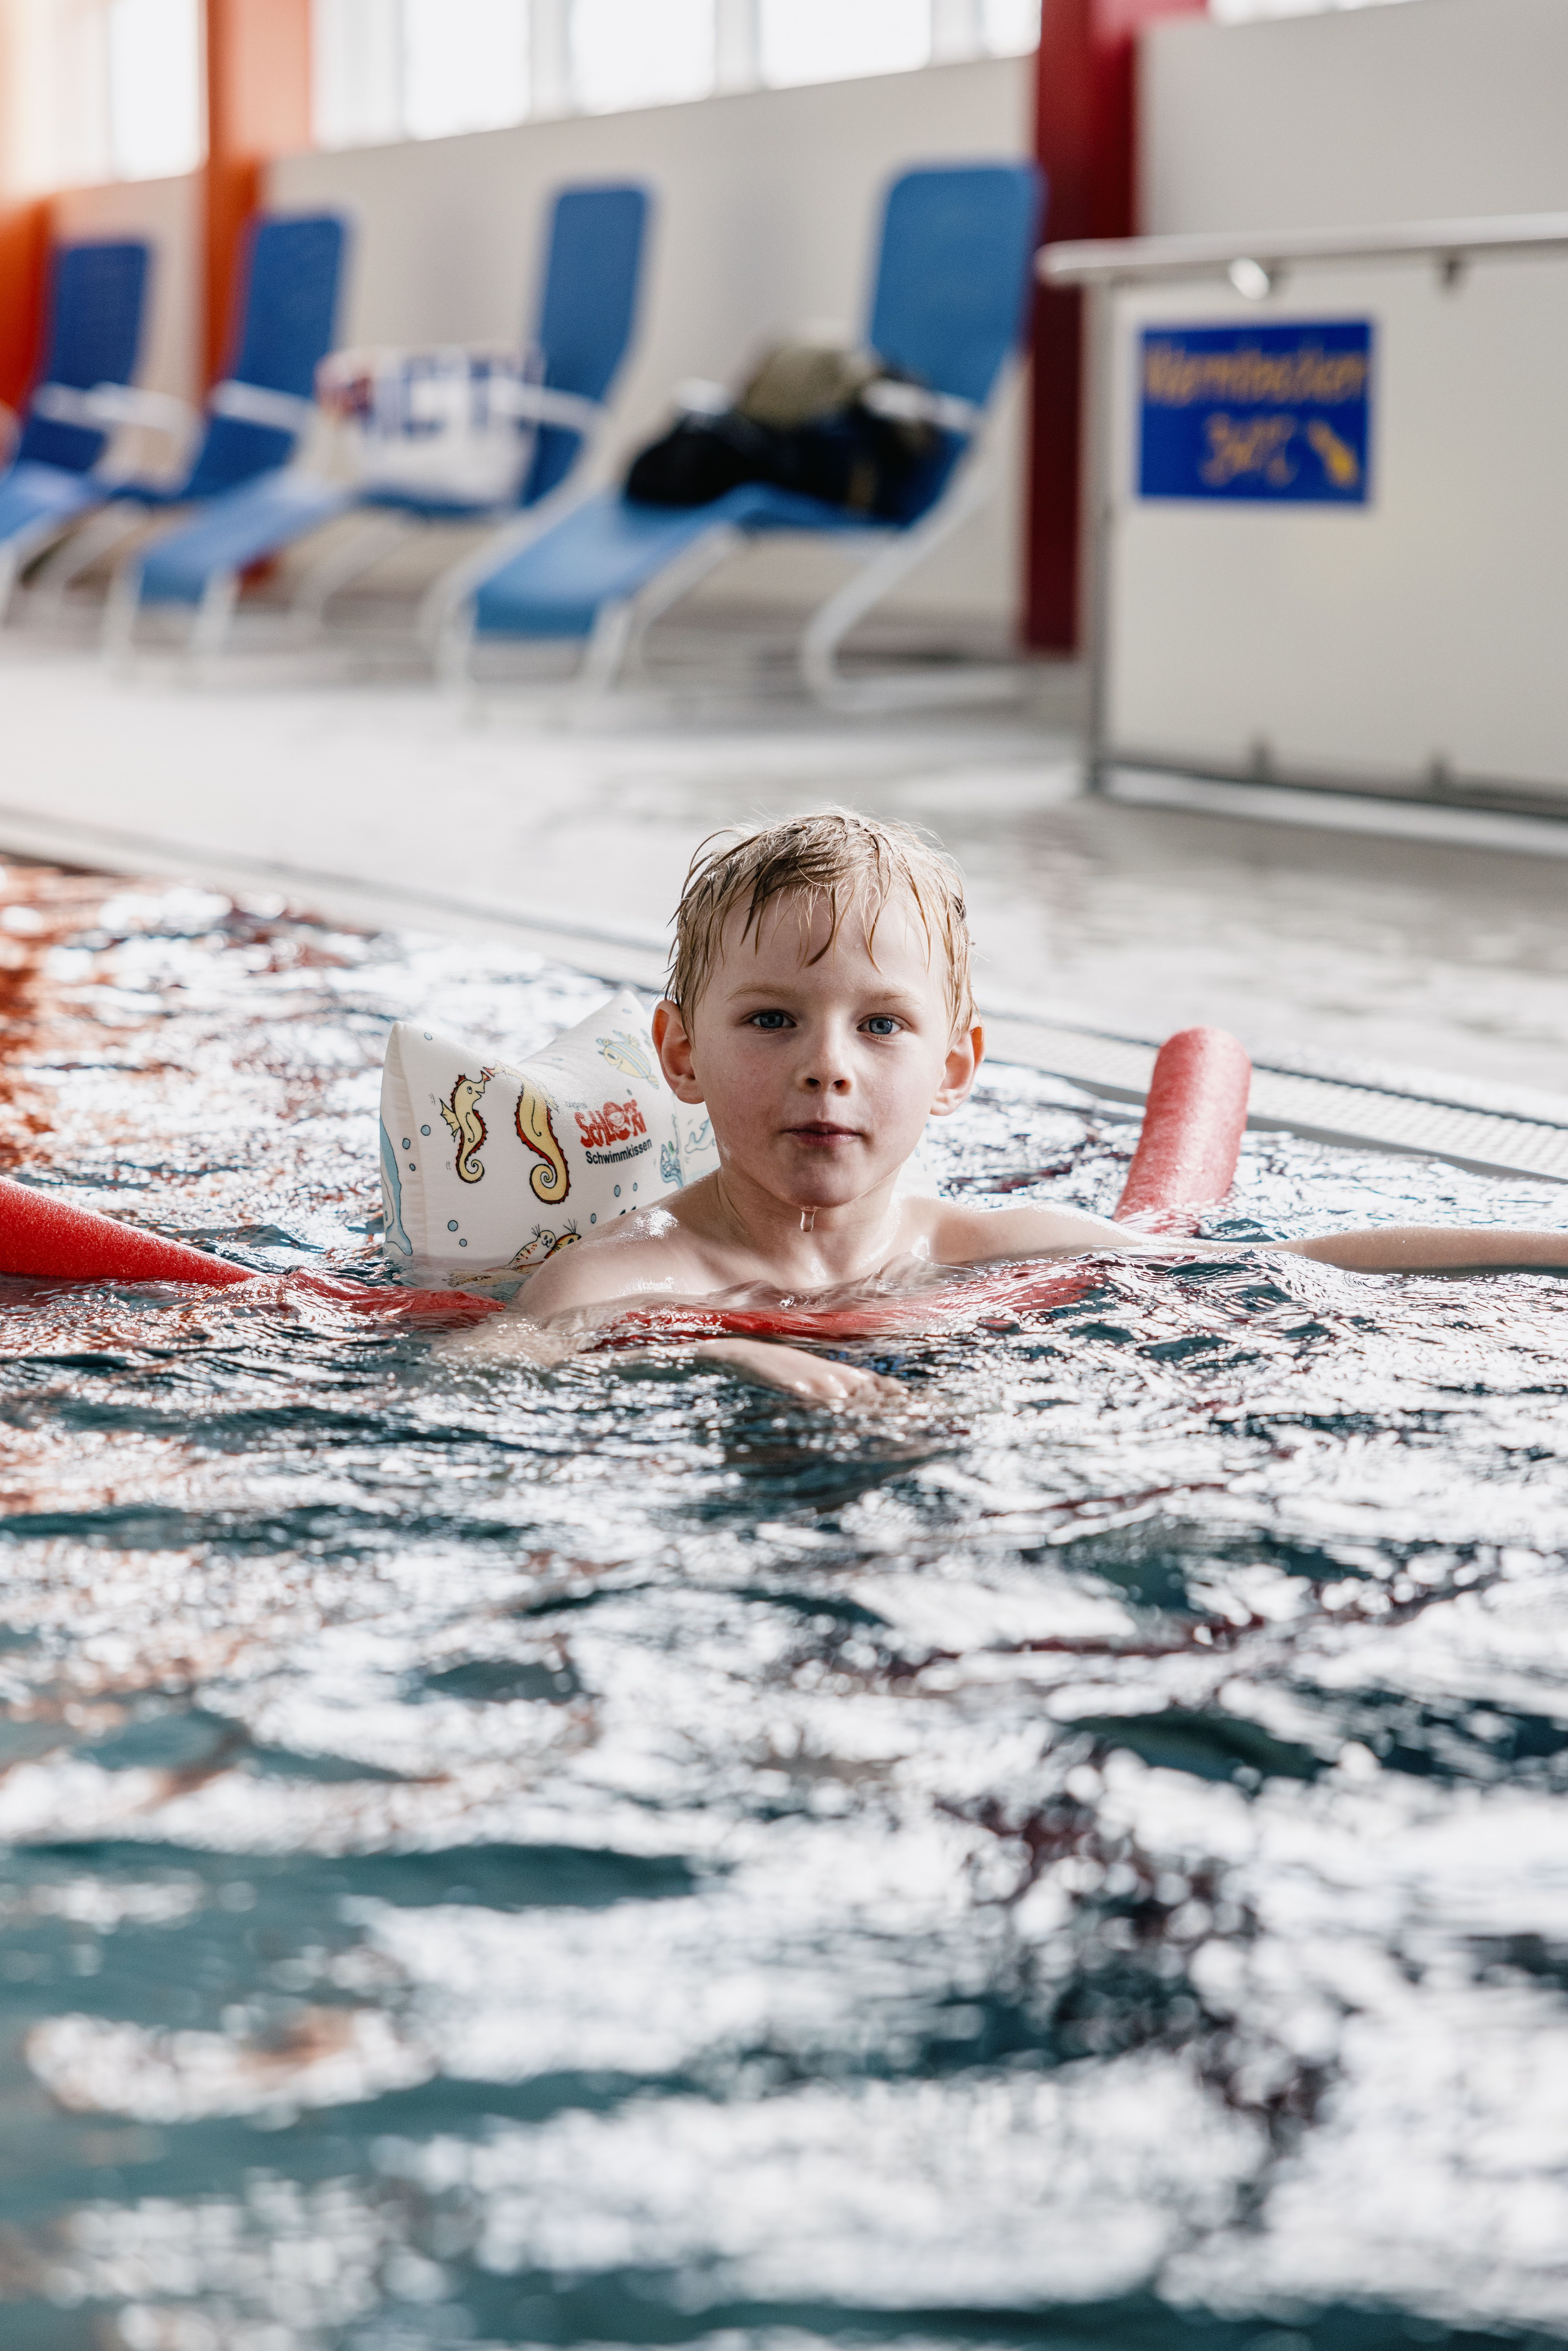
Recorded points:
1151,260
1256,264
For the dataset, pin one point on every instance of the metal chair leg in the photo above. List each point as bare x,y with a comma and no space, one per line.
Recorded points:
458,585
97,537
830,624
210,628
118,636
606,650
17,551
619,628
455,663
365,544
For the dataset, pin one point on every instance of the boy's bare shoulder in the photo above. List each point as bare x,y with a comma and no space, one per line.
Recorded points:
958,1235
645,1250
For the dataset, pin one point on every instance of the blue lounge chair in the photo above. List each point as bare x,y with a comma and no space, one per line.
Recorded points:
952,287
587,311
97,294
259,411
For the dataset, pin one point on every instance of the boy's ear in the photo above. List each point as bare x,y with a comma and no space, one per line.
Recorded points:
965,1055
674,1047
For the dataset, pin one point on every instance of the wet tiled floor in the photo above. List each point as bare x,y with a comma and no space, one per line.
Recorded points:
1378,955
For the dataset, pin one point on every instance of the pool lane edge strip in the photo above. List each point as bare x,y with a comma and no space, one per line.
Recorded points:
1319,1110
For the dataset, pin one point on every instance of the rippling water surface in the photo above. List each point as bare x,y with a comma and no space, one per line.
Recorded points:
505,1859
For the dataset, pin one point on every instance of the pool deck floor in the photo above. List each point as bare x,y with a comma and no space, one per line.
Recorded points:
1376,955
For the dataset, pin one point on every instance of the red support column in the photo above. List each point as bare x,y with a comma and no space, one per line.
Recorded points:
1087,142
23,257
259,105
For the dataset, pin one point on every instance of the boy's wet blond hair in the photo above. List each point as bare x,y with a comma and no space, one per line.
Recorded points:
854,863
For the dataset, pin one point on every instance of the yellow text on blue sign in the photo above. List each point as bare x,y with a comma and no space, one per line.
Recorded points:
1277,413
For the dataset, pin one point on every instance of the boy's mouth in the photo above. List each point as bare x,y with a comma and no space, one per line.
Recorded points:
821,1132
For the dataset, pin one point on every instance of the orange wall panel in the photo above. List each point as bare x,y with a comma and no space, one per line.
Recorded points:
259,105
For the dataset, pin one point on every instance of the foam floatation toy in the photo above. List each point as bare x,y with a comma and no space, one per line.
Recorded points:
49,1239
1185,1160
488,1167
53,1241
1194,1121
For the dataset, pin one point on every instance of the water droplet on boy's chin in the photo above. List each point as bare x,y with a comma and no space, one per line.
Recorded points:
807,1220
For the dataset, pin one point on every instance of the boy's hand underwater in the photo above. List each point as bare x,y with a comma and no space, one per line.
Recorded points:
819,1007
815,1379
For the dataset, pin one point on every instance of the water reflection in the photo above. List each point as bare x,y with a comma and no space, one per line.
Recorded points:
507,1859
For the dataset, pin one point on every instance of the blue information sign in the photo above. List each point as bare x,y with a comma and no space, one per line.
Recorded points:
1276,413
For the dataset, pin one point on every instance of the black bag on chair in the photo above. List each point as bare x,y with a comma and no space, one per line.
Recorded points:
811,419
696,461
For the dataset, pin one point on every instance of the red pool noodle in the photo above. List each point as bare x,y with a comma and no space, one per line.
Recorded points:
46,1236
1193,1124
49,1240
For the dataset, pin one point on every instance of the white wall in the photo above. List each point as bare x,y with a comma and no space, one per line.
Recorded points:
765,216
1437,108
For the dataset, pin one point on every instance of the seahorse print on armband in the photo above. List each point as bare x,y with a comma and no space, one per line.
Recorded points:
461,1113
551,1181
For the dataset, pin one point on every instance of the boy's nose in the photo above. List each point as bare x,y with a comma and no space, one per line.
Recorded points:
825,1063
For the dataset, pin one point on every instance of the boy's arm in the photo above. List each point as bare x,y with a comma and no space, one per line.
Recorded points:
960,1236
1435,1248
971,1236
816,1379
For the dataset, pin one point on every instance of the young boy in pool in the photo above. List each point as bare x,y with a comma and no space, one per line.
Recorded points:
820,1007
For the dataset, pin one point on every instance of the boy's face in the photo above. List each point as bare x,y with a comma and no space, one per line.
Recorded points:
820,1070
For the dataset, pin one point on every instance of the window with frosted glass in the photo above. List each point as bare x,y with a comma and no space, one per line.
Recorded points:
154,89
356,71
832,40
1010,27
1241,12
465,65
640,52
388,69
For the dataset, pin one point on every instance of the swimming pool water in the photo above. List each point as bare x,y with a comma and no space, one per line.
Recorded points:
504,1859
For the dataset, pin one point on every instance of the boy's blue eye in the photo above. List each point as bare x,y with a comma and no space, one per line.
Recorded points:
882,1024
769,1021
